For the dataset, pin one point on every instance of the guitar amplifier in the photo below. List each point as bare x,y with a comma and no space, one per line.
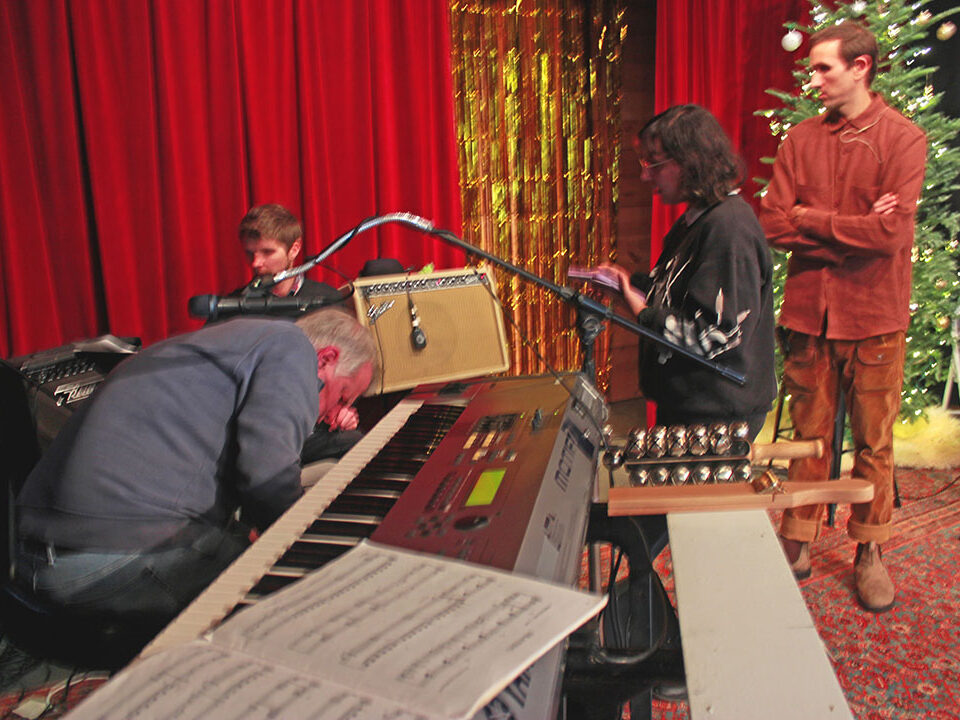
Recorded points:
456,311
38,393
56,382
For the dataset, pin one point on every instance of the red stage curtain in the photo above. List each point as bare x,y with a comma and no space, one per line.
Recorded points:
723,55
135,134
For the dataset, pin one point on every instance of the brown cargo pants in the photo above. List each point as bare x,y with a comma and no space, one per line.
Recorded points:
870,371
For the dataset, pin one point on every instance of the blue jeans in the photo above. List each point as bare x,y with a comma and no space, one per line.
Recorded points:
150,586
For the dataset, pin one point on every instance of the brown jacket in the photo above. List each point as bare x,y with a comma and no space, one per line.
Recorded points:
849,272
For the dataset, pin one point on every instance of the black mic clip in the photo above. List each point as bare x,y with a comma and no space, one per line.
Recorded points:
417,336
259,286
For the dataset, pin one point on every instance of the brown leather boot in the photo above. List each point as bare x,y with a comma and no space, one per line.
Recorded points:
798,555
875,589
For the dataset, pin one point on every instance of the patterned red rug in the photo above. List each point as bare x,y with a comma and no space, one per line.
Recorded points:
52,701
903,664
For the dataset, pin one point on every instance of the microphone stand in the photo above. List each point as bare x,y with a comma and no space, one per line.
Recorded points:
266,282
590,315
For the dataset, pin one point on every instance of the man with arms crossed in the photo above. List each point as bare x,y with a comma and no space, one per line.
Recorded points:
842,200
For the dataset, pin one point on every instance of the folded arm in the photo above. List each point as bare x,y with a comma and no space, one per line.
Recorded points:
827,236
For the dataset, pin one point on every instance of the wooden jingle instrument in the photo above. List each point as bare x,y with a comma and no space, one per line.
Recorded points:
770,495
756,453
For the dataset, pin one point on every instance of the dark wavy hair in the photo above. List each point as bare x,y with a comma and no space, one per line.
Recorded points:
692,137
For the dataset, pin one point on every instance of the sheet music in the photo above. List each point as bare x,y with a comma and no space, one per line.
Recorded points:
200,680
411,635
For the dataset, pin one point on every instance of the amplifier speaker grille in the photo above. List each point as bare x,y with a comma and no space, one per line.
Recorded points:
458,314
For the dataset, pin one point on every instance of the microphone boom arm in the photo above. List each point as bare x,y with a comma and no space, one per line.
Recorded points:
404,218
591,306
583,303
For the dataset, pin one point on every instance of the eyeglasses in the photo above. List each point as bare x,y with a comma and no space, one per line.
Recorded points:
646,165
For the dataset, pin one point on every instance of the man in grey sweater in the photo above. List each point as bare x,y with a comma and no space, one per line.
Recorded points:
131,512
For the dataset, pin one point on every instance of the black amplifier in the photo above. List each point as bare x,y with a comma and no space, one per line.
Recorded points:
38,393
57,381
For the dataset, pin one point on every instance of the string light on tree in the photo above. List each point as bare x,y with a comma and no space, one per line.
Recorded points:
902,29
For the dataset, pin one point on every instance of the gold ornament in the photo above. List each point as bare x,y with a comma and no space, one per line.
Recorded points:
940,283
924,17
946,31
943,322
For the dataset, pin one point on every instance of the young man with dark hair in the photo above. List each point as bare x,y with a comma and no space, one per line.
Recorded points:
842,200
131,512
711,289
272,239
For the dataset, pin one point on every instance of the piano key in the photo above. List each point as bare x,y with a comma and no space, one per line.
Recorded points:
222,596
326,526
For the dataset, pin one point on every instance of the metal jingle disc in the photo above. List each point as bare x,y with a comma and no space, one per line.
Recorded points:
680,475
719,428
701,475
698,440
721,444
640,477
743,472
636,446
676,440
723,474
740,430
657,441
661,475
613,458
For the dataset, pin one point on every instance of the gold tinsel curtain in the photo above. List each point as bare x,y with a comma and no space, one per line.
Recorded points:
537,98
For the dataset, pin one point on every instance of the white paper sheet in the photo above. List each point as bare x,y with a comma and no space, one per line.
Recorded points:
200,681
431,637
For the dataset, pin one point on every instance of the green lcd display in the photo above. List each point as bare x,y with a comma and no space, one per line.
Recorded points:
485,489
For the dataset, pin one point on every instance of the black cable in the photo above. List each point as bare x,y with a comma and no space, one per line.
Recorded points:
619,633
601,654
383,359
62,702
933,494
337,272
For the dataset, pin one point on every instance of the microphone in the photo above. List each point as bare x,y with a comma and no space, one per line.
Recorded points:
263,282
214,307
417,336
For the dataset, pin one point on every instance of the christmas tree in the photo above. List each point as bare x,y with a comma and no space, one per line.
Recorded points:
902,31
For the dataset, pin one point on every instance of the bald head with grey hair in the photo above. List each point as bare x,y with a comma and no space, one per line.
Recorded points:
337,328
